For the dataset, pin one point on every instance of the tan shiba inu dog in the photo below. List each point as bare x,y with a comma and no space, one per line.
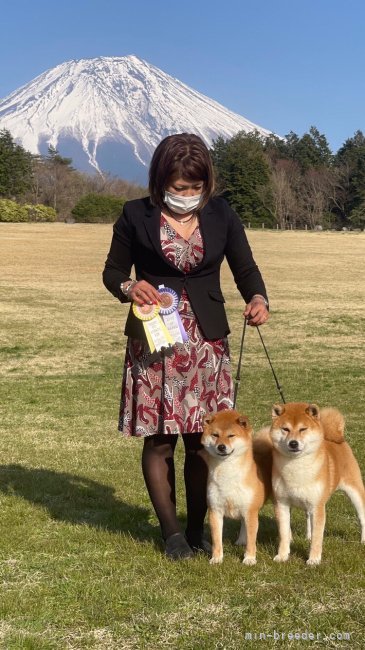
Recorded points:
310,461
239,479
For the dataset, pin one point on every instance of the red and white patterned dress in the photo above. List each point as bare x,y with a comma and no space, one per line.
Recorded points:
171,394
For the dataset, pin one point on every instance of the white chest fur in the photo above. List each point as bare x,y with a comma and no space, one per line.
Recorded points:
228,491
298,480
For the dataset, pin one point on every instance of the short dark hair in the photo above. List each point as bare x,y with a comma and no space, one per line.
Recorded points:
183,155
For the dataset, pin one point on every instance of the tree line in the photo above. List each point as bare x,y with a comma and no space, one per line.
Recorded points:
52,182
291,182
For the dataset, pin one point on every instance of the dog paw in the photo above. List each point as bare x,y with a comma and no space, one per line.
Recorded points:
249,561
281,558
216,560
313,561
240,542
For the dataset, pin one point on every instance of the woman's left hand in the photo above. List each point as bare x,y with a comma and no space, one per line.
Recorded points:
256,311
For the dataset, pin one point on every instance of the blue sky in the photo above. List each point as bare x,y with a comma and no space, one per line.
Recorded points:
284,64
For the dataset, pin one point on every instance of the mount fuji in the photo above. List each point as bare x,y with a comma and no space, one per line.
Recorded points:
109,114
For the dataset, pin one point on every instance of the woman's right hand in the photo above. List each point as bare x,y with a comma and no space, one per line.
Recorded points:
143,292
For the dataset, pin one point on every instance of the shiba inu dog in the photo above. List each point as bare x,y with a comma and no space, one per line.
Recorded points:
239,478
310,461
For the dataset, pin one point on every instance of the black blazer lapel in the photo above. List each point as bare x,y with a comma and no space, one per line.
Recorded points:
152,225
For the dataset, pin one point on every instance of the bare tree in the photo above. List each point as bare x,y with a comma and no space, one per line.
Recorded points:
316,193
107,184
285,175
340,189
57,184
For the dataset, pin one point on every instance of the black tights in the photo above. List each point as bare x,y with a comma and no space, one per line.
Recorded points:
159,475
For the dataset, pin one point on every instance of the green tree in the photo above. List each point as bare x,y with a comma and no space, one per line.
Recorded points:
98,208
59,171
311,151
357,217
350,160
276,148
243,176
56,159
306,185
15,167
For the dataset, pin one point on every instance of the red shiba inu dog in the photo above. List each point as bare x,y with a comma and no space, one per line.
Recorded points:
239,478
310,461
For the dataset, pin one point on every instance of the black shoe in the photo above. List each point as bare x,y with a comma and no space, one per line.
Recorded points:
200,546
177,548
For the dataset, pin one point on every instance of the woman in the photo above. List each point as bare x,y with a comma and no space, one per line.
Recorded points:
178,237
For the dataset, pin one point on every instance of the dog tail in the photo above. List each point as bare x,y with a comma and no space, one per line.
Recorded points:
333,424
262,441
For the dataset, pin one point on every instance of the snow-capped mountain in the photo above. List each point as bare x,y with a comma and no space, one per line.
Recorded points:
109,114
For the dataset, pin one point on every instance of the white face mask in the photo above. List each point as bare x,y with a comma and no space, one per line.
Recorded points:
181,204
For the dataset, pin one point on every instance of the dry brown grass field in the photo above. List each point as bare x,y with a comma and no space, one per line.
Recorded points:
53,273
80,561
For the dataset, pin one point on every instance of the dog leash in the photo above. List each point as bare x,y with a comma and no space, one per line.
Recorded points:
237,379
278,386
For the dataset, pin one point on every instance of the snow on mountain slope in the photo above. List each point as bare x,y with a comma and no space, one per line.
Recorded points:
110,113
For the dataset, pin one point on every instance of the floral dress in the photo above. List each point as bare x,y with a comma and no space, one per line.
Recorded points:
171,393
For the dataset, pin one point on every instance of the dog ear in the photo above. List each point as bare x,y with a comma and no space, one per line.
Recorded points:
208,419
243,421
277,409
313,411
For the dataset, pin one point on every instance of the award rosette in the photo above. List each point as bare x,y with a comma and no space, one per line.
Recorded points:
156,331
169,301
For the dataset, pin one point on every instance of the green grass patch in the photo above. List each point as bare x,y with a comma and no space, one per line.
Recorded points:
81,564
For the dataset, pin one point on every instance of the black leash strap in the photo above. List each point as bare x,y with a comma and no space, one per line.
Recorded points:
238,375
271,366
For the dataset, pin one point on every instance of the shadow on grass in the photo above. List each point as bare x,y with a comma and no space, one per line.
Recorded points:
267,537
77,500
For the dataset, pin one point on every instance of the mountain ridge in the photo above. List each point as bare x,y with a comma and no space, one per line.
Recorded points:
110,111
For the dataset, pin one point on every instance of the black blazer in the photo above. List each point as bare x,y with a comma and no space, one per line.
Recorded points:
136,242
